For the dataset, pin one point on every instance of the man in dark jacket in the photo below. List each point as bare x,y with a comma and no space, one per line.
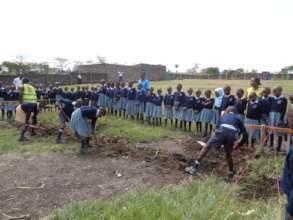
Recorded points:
287,178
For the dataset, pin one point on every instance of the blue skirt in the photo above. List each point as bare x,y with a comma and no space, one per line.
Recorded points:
157,111
149,109
216,116
1,106
110,102
168,113
197,116
139,107
275,121
187,115
178,113
130,108
207,115
9,107
79,124
255,132
123,103
101,100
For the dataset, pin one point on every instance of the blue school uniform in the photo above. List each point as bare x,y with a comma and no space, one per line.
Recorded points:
3,95
240,105
266,103
253,116
278,111
179,99
130,105
197,108
102,96
109,97
79,117
11,96
66,110
227,101
188,109
157,110
124,92
168,106
207,115
94,97
149,105
140,101
117,99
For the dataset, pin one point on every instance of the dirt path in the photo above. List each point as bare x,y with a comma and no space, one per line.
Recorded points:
110,170
71,177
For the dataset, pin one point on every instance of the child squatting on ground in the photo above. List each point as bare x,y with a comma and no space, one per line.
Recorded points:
226,133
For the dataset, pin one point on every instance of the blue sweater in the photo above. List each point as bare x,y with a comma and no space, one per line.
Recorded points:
279,104
287,180
179,98
234,120
227,101
189,102
169,100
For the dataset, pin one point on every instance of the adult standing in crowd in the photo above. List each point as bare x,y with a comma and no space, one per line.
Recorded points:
255,86
144,82
28,104
287,178
17,82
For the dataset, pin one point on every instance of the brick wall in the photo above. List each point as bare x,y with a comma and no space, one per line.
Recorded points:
49,79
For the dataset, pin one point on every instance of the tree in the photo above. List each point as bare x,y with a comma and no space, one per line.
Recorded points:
211,71
101,59
193,70
176,67
62,63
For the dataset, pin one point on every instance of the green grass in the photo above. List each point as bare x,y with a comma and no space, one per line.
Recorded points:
198,199
134,131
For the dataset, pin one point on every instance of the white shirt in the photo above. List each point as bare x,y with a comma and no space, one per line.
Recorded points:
17,82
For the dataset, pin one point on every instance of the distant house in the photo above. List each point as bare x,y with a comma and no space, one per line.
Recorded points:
287,70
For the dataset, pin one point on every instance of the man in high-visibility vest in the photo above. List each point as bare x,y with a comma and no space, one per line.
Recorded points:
28,101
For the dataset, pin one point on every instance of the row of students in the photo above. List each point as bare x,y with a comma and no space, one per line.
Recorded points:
8,94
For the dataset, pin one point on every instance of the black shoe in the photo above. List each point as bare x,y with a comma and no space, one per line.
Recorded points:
231,175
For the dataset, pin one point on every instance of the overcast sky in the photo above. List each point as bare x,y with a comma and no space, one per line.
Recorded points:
225,33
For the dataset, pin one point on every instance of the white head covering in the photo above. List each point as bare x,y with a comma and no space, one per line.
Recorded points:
218,100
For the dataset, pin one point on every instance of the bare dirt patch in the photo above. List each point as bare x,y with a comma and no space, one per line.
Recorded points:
112,169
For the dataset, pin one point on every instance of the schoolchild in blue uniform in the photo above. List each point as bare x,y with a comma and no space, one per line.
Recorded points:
124,92
140,103
197,110
79,124
3,94
131,96
157,110
168,106
12,95
253,115
207,112
101,100
240,104
71,94
228,98
277,115
219,93
117,99
58,91
188,109
78,93
228,128
66,108
179,99
110,95
94,96
149,105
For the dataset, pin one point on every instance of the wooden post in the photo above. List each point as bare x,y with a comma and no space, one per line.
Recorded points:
262,137
250,137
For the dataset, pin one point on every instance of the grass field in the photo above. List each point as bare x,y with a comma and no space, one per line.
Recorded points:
198,198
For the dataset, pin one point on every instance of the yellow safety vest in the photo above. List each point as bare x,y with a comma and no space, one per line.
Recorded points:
29,94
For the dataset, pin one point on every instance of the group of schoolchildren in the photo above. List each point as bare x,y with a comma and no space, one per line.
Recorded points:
8,94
